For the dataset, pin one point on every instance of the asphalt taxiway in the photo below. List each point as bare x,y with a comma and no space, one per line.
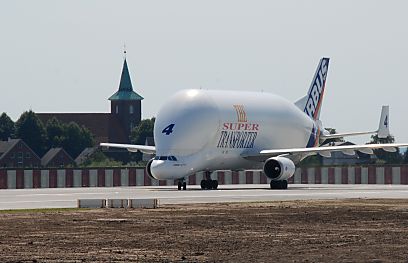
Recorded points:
67,197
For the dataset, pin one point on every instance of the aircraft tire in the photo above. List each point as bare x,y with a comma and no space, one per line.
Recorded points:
184,185
209,184
203,184
279,184
214,184
274,184
179,186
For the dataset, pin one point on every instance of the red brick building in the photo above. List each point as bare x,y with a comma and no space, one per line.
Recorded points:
57,157
114,126
16,153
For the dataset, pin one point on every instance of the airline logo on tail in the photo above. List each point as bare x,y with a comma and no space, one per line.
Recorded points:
315,94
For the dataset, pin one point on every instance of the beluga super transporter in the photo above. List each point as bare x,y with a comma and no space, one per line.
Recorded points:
208,130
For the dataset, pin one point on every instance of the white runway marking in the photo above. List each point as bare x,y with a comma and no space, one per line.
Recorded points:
67,197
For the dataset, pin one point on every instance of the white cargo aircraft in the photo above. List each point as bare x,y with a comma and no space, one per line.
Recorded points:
208,130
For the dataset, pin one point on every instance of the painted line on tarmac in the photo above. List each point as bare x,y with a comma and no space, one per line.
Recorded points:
33,201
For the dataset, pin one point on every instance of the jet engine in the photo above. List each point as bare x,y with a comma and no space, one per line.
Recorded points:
148,170
279,168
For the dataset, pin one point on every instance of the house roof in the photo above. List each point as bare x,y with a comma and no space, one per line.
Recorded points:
6,146
85,154
51,154
125,91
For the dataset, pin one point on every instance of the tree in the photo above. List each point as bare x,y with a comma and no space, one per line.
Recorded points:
31,130
139,134
406,156
55,133
73,138
7,127
99,159
141,131
387,157
76,139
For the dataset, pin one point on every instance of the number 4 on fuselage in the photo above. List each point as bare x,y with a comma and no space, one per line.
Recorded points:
169,129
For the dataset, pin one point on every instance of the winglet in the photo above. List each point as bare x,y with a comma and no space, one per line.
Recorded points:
384,125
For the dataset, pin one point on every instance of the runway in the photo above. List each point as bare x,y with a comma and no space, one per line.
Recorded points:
67,197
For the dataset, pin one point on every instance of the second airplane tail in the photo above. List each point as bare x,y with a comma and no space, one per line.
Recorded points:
384,126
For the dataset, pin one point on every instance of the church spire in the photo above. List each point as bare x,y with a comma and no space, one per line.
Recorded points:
125,82
125,91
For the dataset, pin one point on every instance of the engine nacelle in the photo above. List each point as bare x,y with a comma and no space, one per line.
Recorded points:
148,170
279,168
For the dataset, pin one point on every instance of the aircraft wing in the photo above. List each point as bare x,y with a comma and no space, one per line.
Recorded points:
326,150
132,147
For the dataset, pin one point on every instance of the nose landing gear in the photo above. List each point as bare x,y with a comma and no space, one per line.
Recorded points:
181,184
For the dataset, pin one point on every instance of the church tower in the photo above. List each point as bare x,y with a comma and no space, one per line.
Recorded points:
126,104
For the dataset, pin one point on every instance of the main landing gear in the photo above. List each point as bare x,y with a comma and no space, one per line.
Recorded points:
208,183
279,184
182,184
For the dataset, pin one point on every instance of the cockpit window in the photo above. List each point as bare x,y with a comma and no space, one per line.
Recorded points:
164,158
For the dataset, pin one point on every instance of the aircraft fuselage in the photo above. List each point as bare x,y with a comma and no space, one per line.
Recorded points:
209,130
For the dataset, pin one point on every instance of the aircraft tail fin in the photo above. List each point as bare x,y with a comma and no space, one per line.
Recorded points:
312,102
384,125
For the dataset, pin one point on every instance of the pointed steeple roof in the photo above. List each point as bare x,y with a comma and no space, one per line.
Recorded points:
125,91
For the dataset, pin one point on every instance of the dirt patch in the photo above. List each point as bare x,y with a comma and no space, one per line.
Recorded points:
290,231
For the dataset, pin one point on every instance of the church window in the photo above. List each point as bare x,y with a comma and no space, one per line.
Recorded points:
117,109
131,109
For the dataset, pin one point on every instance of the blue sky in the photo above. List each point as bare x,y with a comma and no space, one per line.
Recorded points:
66,56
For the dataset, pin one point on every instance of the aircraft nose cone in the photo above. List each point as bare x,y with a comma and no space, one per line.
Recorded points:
161,170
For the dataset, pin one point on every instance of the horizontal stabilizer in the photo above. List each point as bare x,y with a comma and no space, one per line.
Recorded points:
301,103
347,134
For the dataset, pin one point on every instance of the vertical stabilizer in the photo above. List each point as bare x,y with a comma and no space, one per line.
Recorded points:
384,126
312,102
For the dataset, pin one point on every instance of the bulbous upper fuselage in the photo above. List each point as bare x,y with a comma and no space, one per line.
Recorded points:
210,130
